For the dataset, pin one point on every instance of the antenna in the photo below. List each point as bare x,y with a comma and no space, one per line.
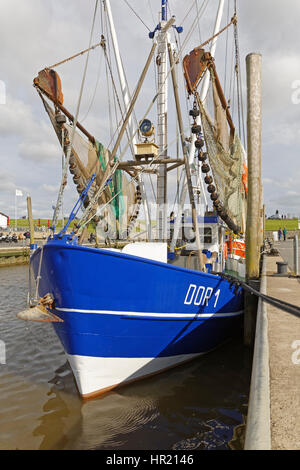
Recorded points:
164,10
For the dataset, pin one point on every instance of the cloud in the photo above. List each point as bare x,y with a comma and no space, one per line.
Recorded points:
46,32
16,118
7,183
50,188
268,181
36,140
288,202
38,151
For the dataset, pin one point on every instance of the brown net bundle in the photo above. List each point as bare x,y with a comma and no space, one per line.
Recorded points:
227,160
87,157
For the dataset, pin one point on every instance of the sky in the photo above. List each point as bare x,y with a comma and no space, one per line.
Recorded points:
37,33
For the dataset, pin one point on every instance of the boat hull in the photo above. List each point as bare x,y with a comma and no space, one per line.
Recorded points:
126,317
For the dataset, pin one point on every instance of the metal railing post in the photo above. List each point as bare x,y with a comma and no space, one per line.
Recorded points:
296,255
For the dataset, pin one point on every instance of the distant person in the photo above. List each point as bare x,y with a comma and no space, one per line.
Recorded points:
284,233
279,233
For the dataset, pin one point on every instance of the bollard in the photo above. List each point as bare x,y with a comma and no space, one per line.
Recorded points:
281,267
296,256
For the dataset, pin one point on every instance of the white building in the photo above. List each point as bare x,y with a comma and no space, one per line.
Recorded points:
4,220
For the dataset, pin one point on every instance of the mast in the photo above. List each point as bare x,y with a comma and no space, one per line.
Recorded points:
192,145
121,73
186,161
162,120
206,81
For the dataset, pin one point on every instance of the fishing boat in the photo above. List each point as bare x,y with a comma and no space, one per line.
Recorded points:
129,309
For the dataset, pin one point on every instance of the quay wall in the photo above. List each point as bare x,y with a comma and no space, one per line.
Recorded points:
258,427
14,256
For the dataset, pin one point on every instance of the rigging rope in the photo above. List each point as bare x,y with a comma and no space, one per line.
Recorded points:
239,85
74,56
179,55
69,149
136,14
200,13
151,10
199,31
233,21
188,12
115,96
95,90
84,220
226,51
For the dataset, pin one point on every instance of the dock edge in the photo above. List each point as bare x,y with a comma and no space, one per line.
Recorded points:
258,424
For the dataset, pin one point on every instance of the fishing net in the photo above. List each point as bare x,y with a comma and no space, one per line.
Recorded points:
115,185
227,160
119,196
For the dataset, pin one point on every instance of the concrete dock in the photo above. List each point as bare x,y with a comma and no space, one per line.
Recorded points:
273,421
14,255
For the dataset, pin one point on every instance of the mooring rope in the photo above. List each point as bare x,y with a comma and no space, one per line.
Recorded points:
37,281
69,149
75,55
281,304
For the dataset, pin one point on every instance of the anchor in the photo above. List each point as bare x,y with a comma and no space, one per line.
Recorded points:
40,312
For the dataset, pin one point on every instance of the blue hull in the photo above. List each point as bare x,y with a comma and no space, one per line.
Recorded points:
115,305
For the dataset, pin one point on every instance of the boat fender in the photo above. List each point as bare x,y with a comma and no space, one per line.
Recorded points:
205,168
199,143
202,157
211,188
208,179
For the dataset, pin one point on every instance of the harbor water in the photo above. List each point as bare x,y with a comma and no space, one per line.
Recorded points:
199,405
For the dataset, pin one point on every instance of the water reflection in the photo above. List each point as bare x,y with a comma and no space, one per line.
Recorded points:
195,406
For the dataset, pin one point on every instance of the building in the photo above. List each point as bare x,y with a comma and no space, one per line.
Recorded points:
4,220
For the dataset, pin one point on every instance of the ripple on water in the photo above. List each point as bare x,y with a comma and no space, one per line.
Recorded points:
191,407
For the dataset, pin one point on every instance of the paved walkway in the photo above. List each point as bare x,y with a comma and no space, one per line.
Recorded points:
284,356
286,249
